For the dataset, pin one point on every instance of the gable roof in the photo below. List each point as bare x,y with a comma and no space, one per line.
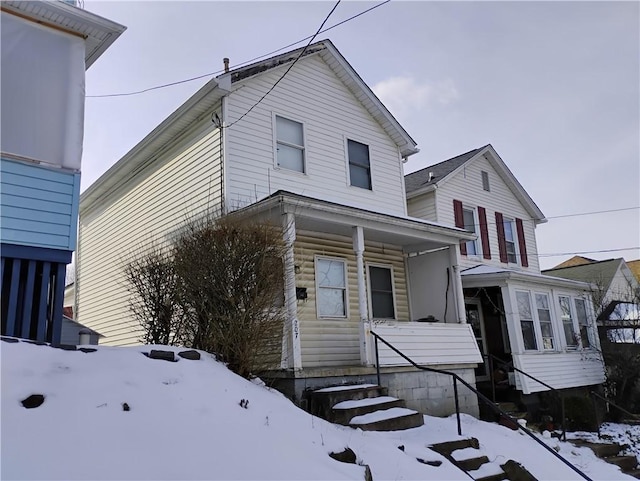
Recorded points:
98,32
598,271
575,261
201,103
421,181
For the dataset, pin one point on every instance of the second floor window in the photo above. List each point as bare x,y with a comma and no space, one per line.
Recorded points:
290,144
469,218
510,241
359,165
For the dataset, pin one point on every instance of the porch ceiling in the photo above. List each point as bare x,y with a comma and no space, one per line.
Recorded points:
315,215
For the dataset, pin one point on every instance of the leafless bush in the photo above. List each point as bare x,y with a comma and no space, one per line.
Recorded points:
232,282
154,296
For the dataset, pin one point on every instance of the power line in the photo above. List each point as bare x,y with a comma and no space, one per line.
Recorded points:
241,64
288,70
589,252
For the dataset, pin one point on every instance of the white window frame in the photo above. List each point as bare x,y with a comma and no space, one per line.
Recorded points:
576,322
318,287
393,290
514,230
532,320
348,164
554,337
476,230
303,147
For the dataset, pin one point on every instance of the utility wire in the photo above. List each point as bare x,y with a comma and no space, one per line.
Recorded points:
287,71
241,64
589,252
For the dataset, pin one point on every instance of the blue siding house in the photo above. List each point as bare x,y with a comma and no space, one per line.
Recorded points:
46,48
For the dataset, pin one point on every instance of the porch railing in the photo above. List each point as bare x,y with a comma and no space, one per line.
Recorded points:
456,378
509,365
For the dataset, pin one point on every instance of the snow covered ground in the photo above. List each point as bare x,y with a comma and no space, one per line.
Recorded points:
185,421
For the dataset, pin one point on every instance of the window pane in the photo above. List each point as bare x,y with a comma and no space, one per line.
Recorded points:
358,153
289,131
581,314
524,306
528,335
290,158
330,273
508,230
381,293
567,321
526,320
472,248
360,176
469,220
331,302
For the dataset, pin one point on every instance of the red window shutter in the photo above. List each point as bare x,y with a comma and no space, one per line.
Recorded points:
459,220
524,260
484,233
502,244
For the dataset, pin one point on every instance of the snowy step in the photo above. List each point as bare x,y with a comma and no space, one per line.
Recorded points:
345,411
488,472
322,401
393,419
450,446
602,450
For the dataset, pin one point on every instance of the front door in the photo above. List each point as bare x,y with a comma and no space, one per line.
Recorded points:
474,318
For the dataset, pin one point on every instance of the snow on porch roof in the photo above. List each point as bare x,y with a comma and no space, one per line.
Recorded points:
486,273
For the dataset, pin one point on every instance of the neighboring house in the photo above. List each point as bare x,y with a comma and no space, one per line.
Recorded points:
74,333
634,266
611,281
544,324
46,47
322,157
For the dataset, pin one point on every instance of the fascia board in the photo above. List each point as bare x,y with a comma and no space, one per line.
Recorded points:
99,33
150,147
372,103
479,280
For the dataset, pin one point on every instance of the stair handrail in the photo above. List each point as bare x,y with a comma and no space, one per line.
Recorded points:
491,358
608,401
456,378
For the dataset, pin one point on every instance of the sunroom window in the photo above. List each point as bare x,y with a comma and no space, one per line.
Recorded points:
567,321
526,320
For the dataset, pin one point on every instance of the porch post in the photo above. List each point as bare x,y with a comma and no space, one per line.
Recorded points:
456,283
291,357
358,248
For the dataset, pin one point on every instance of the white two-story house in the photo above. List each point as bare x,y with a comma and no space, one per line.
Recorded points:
322,157
544,325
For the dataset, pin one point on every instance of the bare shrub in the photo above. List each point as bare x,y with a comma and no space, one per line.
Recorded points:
154,301
231,275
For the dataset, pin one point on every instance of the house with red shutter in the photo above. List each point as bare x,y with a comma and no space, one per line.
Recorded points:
543,326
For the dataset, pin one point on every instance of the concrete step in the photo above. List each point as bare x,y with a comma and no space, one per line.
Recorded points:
602,450
393,419
634,472
321,401
493,477
472,464
450,446
345,411
516,472
626,463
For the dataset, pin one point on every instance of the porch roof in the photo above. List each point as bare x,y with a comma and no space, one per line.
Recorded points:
482,276
413,235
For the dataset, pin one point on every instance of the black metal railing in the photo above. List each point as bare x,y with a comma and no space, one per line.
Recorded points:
456,378
509,365
595,395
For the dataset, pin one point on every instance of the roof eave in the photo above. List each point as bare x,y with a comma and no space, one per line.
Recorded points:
99,33
151,146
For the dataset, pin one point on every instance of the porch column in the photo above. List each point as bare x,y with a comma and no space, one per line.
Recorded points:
456,283
291,357
364,327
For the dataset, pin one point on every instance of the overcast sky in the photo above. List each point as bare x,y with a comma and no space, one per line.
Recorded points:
553,86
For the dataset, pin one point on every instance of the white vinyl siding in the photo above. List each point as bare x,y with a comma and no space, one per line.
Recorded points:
466,186
336,341
423,207
312,94
176,188
559,370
